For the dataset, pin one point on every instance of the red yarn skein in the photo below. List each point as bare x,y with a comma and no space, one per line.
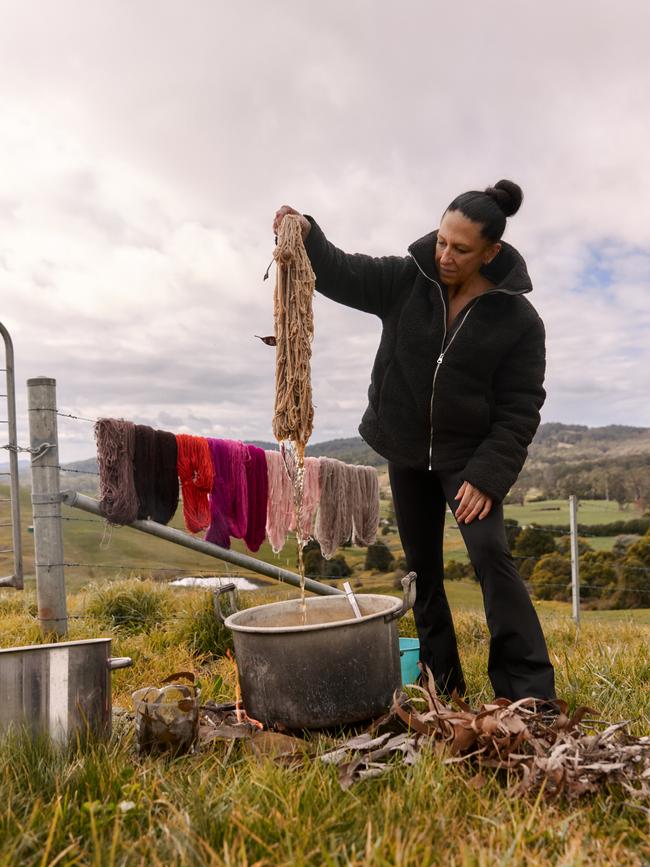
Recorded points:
196,475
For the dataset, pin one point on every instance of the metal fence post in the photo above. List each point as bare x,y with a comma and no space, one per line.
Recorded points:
46,505
575,564
15,580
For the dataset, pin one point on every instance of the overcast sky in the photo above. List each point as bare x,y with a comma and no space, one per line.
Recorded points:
145,146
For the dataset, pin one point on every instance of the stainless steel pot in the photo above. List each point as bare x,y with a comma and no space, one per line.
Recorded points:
58,689
330,670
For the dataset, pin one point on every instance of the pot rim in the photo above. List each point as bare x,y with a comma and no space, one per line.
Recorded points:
231,623
55,645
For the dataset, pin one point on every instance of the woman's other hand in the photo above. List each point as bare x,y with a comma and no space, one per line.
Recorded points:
473,503
286,209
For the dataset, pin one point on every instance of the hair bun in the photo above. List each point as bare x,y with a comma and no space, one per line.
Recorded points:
507,195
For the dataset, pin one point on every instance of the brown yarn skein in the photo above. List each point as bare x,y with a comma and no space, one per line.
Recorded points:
115,450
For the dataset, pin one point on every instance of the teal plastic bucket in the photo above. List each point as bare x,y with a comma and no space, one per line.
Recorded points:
409,654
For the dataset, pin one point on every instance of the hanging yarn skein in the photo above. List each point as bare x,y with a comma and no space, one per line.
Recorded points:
115,450
166,477
334,521
294,332
310,500
144,457
365,505
280,501
196,475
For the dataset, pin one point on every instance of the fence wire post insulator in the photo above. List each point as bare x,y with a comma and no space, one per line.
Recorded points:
46,506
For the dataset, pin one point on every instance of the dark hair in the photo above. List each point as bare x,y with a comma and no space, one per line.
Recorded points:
490,208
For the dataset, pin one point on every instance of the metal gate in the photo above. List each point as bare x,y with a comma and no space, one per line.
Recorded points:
13,500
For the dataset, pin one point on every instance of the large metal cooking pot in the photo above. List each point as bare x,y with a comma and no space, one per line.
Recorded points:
58,689
330,670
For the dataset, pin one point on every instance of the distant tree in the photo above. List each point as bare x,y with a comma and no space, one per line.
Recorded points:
551,577
337,567
316,566
313,561
598,575
549,475
525,566
563,545
633,589
456,571
622,544
534,542
617,488
517,494
379,558
641,549
640,484
512,531
634,576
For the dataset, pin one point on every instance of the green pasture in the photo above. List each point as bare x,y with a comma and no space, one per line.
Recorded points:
101,804
557,512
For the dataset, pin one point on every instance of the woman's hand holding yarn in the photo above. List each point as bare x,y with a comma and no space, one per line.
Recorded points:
287,209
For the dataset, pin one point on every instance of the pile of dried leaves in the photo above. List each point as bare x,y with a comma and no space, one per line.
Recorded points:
570,756
229,722
540,748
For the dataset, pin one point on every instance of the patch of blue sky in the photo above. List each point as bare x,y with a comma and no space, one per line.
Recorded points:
598,270
607,263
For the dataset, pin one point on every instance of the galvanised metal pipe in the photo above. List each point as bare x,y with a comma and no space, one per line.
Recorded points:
15,580
88,504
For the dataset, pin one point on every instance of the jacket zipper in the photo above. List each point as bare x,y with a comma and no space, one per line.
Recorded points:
435,372
443,351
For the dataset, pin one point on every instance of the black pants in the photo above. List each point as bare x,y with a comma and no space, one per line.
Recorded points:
518,664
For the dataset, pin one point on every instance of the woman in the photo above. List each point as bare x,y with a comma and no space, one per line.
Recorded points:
454,402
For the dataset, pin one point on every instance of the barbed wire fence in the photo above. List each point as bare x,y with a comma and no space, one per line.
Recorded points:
222,571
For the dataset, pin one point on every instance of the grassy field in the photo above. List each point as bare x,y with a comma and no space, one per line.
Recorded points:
102,805
557,512
100,552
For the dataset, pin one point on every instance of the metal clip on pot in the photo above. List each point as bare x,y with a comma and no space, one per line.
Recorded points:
408,584
232,602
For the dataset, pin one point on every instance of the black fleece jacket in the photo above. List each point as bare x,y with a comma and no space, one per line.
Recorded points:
467,400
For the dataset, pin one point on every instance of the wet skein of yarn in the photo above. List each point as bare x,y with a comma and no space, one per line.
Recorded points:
166,477
294,331
115,451
218,530
144,456
334,522
365,505
280,508
257,484
237,488
229,494
310,499
194,467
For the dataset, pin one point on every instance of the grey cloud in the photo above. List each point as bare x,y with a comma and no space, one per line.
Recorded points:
135,222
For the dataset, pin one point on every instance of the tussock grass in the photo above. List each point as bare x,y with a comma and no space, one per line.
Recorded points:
130,606
201,631
100,804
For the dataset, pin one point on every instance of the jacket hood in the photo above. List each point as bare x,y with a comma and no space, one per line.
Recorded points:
507,270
